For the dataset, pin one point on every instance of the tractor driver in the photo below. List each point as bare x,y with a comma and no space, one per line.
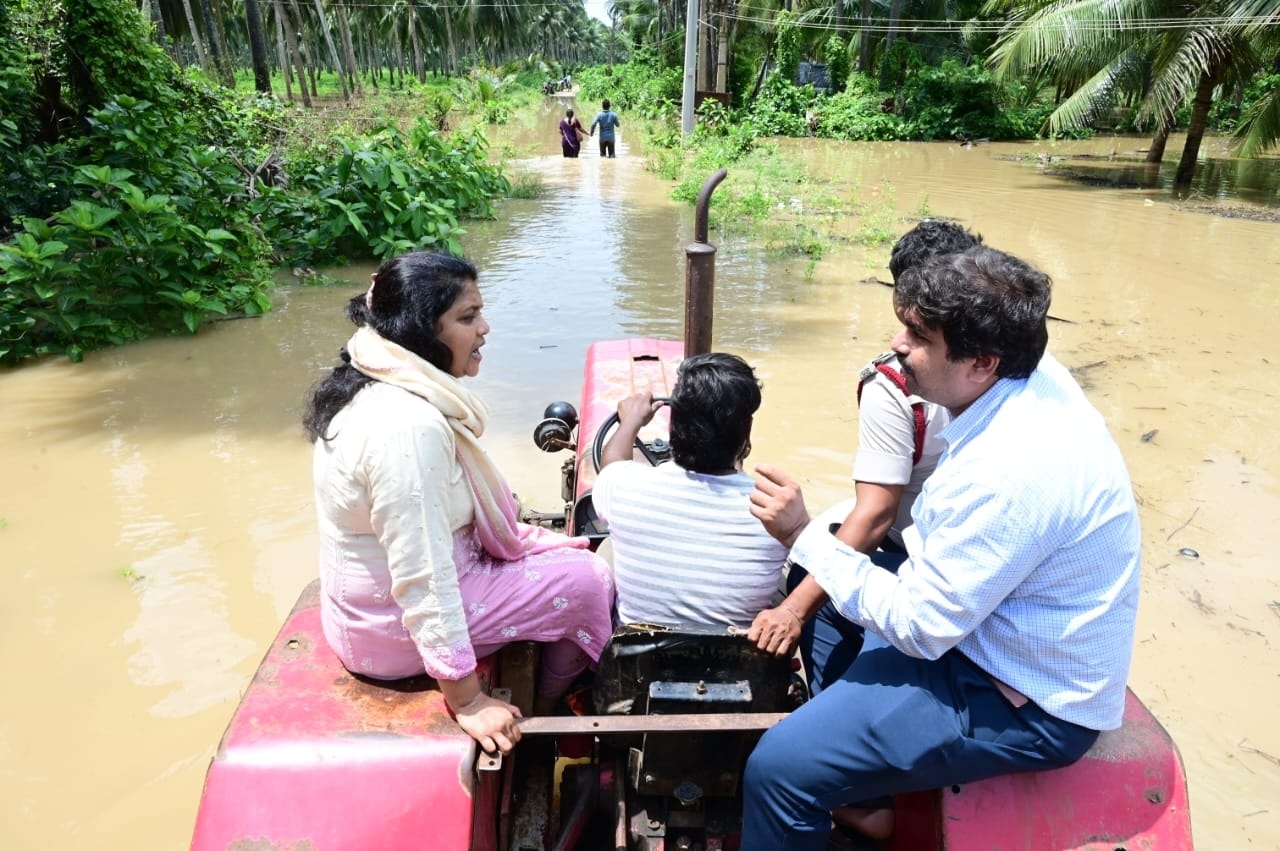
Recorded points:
686,549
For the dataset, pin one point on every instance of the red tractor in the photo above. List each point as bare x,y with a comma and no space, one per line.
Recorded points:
318,758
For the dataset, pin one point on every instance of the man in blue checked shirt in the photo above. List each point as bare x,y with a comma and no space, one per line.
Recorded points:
1003,643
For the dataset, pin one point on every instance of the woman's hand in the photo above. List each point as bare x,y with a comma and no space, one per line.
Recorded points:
491,722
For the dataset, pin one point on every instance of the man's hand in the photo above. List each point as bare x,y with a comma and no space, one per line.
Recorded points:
776,631
634,413
637,410
778,504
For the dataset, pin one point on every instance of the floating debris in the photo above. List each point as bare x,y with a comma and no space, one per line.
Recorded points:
1149,436
1188,552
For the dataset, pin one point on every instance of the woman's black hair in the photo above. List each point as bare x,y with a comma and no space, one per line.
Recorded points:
409,295
712,403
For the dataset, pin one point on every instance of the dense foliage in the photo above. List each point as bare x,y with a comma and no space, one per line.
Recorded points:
645,86
142,201
138,197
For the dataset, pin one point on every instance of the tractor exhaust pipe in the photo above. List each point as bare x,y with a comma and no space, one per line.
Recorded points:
700,276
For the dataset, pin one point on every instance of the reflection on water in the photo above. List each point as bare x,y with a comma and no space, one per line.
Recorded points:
156,523
1255,182
1231,184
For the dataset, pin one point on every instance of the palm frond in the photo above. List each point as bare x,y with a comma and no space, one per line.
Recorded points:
1181,58
1077,36
1091,98
1260,126
1250,16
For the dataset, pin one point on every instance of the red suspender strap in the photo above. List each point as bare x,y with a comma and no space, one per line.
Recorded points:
917,408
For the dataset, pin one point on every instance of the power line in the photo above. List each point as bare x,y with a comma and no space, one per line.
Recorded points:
918,25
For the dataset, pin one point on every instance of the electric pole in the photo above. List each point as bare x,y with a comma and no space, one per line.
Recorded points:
690,67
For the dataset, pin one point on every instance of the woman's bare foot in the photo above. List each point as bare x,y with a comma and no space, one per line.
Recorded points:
874,822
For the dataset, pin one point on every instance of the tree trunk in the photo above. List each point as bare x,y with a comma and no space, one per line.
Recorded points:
722,54
864,39
419,69
291,37
257,47
195,38
162,37
1155,152
895,15
282,56
220,22
451,68
838,9
311,53
1195,131
333,51
221,62
399,42
707,55
764,67
344,28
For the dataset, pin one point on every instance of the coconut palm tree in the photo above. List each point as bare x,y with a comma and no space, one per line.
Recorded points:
286,23
257,47
348,45
1258,20
201,57
1097,46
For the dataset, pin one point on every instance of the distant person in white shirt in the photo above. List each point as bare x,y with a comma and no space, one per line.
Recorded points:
686,549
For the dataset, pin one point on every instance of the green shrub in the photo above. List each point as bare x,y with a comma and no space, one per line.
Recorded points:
787,51
644,87
780,109
958,100
394,191
858,114
151,240
1225,117
835,52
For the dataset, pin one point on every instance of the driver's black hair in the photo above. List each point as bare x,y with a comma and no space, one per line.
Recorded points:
712,403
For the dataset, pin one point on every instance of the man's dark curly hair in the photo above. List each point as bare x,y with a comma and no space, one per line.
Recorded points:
712,404
984,302
410,293
926,240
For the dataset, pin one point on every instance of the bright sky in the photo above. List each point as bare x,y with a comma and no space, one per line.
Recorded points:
595,8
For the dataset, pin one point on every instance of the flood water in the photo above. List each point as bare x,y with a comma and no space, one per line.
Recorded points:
156,521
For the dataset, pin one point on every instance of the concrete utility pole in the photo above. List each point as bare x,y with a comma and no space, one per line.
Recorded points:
690,67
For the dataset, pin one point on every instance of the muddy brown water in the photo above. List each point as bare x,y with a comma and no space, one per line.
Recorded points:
156,520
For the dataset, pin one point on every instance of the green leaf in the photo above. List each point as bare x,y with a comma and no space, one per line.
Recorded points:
52,248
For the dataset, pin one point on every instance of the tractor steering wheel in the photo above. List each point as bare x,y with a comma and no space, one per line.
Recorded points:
611,422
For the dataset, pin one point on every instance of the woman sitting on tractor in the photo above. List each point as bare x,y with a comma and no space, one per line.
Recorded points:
423,565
